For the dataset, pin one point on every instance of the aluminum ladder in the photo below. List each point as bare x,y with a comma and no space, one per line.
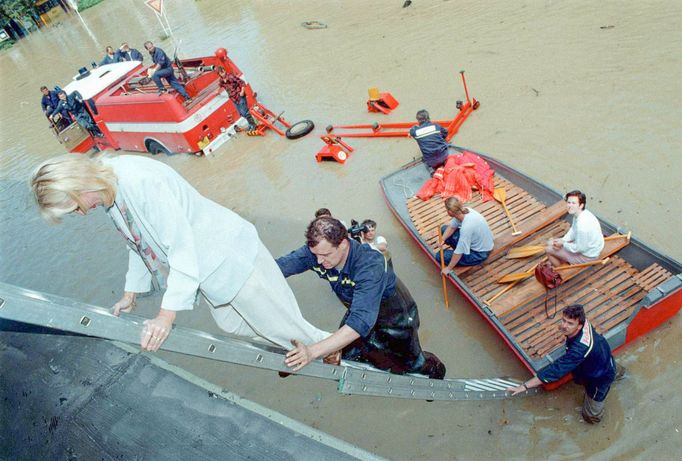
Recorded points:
45,310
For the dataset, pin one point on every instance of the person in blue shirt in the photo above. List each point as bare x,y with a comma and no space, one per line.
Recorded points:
431,138
49,100
162,68
73,103
588,357
125,53
49,103
110,57
381,323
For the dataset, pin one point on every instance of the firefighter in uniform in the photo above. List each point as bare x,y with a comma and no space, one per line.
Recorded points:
163,69
588,357
73,103
381,323
431,138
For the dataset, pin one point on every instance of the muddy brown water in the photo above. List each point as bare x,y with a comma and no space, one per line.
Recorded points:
576,94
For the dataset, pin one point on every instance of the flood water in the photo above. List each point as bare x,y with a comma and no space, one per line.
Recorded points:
576,94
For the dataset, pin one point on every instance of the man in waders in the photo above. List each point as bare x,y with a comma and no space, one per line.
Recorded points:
380,326
588,357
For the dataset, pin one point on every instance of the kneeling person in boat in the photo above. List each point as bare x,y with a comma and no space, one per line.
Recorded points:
584,241
588,357
380,326
468,234
172,229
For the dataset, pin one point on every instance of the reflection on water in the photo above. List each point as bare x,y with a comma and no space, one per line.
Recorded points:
563,99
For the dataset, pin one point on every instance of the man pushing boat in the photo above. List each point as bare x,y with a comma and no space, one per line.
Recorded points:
380,326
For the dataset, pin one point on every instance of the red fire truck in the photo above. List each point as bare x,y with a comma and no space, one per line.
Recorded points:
127,107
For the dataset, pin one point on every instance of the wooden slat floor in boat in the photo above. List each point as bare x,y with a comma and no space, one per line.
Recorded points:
428,215
609,294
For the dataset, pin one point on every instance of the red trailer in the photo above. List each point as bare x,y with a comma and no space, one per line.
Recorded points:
127,107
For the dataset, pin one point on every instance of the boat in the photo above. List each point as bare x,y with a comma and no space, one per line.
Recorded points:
632,290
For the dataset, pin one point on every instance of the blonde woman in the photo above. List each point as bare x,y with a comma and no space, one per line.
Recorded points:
171,229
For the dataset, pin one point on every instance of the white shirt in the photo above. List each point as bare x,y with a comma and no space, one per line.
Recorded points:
585,235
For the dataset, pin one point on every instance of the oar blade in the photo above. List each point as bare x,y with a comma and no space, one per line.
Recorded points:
500,194
524,252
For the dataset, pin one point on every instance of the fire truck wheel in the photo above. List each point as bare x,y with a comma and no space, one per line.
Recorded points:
300,129
156,148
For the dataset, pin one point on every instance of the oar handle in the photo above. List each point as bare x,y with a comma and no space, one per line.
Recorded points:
442,266
576,266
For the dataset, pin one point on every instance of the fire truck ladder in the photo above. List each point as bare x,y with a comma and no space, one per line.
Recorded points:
36,308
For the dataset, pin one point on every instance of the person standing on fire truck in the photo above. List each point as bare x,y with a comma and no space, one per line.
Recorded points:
162,68
236,88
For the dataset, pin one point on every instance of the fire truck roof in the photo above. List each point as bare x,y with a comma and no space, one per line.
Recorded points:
100,78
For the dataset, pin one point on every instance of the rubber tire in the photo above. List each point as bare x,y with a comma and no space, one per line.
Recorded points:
155,148
300,129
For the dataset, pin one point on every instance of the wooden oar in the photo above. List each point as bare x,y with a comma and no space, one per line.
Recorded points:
442,266
501,196
507,288
532,250
524,275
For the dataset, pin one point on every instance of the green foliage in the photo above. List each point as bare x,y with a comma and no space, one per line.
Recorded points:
6,44
85,4
16,9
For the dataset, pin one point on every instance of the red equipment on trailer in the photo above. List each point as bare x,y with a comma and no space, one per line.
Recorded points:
126,106
396,130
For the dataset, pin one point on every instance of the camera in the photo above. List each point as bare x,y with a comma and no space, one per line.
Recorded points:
356,229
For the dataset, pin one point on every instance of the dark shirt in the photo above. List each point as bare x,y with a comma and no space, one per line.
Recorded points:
73,104
233,85
362,283
588,357
431,140
109,60
159,57
131,55
50,100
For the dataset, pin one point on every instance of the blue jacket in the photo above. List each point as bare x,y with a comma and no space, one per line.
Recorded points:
50,100
131,55
161,58
362,283
431,140
588,357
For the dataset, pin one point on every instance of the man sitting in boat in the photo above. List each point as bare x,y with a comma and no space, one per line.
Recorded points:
468,234
431,140
588,357
380,326
584,241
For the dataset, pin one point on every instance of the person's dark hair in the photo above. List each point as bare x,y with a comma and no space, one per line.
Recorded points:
148,43
368,223
323,212
423,116
109,48
575,311
582,200
325,228
43,88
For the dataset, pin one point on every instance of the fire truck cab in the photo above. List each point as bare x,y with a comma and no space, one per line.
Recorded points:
127,107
